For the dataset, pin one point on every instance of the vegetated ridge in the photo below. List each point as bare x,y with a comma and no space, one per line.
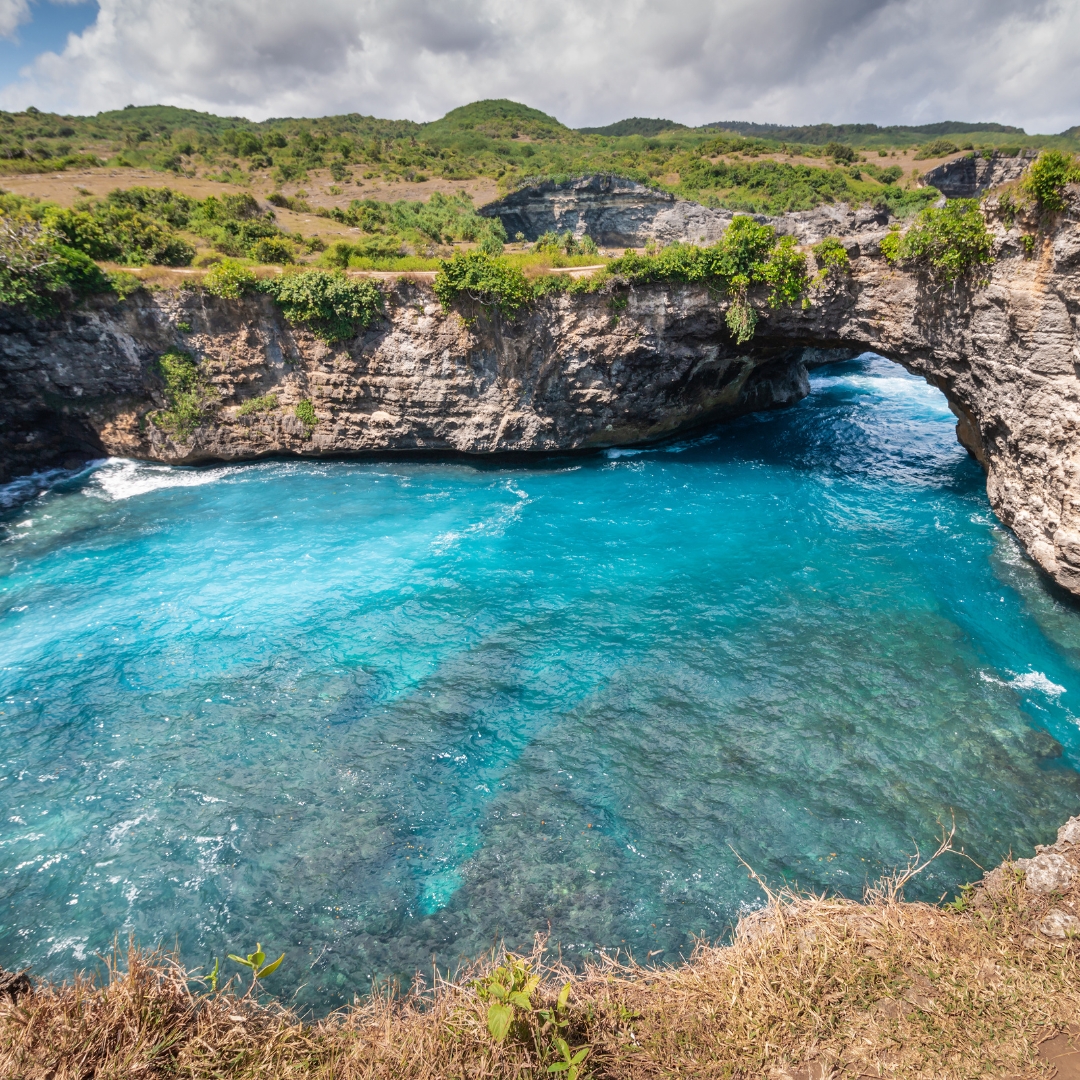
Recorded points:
758,168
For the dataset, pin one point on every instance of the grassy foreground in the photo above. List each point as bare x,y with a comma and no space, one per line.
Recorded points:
809,987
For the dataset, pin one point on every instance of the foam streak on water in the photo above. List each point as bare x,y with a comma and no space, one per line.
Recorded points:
368,712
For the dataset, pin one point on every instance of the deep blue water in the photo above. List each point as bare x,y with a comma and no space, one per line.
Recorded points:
369,713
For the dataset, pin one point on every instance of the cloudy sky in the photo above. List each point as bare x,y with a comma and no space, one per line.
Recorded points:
787,61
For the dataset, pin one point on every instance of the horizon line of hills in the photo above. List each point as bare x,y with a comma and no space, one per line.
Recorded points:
501,113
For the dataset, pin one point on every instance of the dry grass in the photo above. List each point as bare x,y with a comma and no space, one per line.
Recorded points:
881,988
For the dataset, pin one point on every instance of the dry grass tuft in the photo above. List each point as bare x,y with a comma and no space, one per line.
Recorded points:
810,986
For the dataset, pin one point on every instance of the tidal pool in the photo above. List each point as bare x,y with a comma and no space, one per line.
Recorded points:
379,713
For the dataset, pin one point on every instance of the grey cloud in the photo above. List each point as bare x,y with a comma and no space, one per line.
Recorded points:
898,61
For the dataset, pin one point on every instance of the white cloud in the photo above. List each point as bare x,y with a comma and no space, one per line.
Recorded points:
898,61
13,13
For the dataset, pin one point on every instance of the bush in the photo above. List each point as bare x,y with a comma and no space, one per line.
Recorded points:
567,244
948,242
493,238
840,152
831,257
184,393
230,279
488,280
937,148
120,233
327,302
273,249
37,272
1047,177
748,253
305,413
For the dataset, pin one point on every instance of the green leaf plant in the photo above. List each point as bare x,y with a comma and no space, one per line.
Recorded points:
255,961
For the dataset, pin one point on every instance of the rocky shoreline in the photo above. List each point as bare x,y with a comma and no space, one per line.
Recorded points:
623,366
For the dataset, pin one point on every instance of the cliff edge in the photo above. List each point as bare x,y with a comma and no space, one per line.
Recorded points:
628,364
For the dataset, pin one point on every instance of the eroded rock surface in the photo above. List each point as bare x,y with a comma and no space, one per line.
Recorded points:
971,175
576,372
1047,873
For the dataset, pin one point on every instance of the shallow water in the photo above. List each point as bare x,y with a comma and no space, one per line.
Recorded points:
371,713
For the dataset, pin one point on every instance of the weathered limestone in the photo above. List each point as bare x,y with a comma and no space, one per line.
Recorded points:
970,175
579,372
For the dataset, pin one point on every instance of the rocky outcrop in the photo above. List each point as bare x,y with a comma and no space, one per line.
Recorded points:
968,176
614,211
575,372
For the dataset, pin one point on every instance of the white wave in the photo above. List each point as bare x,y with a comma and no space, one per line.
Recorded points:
615,452
1036,680
1031,680
119,478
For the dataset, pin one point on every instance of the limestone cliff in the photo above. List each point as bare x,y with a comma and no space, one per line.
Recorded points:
579,372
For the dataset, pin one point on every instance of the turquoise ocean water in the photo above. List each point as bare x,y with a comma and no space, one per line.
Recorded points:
375,713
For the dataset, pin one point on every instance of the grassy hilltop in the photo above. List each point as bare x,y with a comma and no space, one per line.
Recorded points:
754,167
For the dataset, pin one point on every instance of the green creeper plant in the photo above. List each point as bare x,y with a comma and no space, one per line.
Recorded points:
184,394
832,259
330,304
486,279
305,413
947,242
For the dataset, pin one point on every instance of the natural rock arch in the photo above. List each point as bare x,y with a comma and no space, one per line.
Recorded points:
582,371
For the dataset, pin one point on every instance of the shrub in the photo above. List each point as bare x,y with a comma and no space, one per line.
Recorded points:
230,279
119,233
273,249
486,279
567,244
493,238
1047,177
124,284
839,152
305,413
831,257
937,148
331,305
37,272
184,394
947,242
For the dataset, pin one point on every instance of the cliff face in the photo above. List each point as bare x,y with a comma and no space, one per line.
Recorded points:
578,372
614,211
972,174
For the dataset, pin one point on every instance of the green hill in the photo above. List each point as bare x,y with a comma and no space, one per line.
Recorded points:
758,167
636,125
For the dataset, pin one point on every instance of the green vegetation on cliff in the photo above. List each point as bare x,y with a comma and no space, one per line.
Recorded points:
748,254
948,242
1047,177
